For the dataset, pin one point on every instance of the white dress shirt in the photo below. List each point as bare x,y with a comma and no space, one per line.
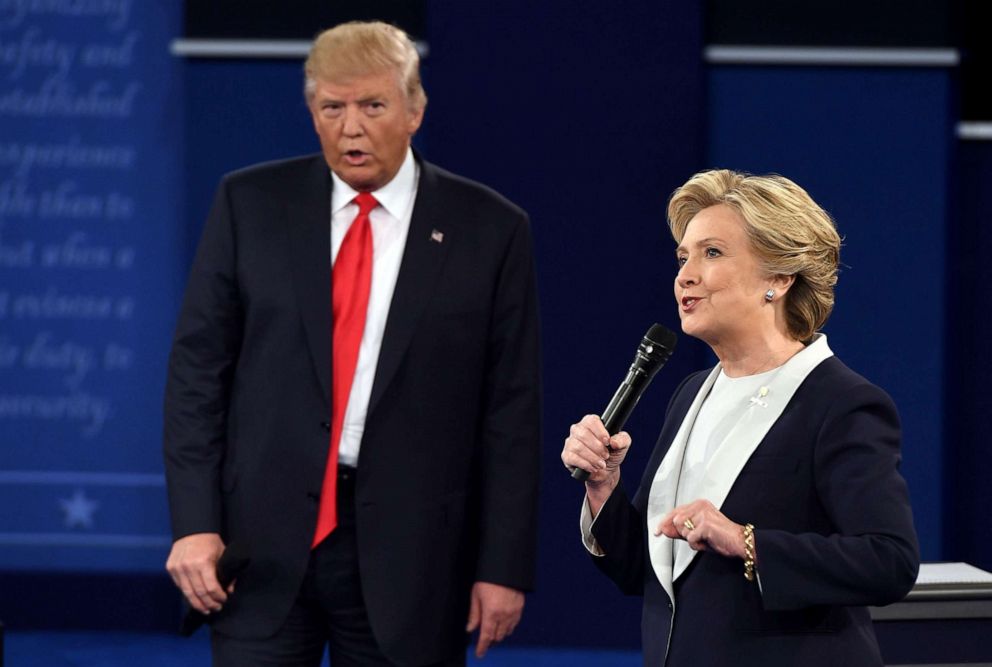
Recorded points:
390,225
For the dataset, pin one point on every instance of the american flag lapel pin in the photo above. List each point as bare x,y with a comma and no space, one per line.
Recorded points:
437,236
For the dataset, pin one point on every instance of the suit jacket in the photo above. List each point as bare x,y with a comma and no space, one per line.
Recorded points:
833,533
448,470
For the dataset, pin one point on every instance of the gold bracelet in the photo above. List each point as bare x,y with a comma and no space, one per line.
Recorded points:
749,552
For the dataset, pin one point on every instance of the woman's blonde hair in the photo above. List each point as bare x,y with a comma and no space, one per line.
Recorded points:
789,232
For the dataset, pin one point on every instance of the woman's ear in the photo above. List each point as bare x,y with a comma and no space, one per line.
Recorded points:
781,283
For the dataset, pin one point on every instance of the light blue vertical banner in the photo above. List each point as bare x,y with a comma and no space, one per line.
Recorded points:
90,264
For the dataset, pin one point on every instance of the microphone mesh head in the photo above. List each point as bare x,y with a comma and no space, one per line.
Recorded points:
661,336
655,349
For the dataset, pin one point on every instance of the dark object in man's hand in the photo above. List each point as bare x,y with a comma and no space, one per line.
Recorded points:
230,564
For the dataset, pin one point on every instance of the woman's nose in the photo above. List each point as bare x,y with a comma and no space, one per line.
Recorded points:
686,276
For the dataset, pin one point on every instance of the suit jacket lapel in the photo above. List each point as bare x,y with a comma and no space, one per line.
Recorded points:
661,496
308,219
736,449
423,258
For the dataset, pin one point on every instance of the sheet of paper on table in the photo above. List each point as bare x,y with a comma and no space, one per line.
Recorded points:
951,574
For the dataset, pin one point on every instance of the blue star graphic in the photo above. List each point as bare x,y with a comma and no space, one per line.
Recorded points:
78,510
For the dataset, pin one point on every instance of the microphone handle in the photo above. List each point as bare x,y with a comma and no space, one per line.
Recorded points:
621,405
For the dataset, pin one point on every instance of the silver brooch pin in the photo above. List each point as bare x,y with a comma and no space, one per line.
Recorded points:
756,399
437,236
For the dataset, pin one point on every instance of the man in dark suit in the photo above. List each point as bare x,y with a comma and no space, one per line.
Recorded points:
417,522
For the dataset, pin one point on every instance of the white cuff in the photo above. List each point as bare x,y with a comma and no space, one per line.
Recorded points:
586,519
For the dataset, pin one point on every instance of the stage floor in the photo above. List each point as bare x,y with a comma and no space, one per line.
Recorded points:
119,649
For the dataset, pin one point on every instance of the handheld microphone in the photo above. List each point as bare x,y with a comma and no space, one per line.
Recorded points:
655,349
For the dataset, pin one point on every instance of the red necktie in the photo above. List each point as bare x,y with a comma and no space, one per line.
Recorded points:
351,283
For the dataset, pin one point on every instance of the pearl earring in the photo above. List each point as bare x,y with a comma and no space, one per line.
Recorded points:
769,295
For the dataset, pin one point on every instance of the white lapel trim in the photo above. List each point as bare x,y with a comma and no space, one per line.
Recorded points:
661,497
725,465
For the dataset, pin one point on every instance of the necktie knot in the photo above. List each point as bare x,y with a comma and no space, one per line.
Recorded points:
366,202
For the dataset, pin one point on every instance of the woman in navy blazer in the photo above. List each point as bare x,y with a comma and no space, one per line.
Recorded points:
772,511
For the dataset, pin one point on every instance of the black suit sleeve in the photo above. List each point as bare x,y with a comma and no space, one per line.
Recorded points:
619,530
201,365
511,435
872,556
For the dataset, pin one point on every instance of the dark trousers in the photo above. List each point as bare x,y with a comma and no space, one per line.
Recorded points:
329,611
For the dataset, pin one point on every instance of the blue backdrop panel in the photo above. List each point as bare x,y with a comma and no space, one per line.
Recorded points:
872,147
238,112
89,263
588,115
967,529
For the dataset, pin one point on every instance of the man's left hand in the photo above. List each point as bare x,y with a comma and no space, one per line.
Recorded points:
495,610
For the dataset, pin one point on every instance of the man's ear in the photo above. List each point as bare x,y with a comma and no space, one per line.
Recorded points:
415,118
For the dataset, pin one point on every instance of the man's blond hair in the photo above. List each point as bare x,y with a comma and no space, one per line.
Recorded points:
360,48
